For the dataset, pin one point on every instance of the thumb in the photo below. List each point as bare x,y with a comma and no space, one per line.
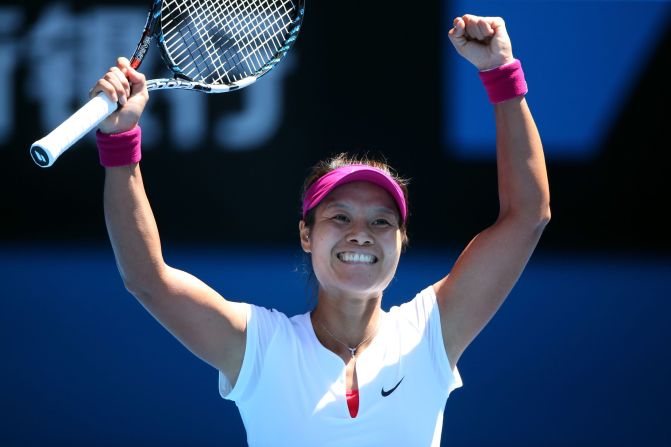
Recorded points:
136,78
122,63
499,28
501,44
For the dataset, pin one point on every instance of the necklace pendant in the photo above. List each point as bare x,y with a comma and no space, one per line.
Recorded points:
352,351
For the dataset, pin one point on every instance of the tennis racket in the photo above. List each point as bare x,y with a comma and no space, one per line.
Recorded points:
211,46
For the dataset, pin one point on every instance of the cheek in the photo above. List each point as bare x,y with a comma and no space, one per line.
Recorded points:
393,248
320,248
396,256
397,240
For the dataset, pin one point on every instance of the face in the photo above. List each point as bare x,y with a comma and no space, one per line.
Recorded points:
355,240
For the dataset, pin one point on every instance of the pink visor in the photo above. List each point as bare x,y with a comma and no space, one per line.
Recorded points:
354,173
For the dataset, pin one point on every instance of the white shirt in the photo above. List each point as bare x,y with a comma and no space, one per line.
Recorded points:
291,389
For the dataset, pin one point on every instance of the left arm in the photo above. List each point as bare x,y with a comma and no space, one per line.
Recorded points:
488,268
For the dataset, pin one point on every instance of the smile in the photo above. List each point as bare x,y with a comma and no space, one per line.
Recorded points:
356,258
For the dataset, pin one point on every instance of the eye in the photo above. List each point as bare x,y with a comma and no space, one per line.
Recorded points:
340,218
381,221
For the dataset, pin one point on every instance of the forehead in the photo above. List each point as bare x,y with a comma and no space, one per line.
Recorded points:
361,194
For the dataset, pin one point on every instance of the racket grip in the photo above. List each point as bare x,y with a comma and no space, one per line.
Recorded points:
45,151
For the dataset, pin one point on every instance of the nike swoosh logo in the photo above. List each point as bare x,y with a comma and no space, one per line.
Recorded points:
387,393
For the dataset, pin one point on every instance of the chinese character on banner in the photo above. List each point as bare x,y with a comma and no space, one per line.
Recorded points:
11,20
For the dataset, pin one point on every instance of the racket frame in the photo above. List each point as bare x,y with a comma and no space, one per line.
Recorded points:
153,30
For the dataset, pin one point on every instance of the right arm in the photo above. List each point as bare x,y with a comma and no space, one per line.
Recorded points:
208,325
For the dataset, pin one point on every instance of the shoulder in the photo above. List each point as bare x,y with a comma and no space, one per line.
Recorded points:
259,315
268,324
418,311
270,335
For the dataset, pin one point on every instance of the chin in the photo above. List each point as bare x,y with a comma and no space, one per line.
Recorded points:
362,287
354,283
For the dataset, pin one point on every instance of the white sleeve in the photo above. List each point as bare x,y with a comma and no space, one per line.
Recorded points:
423,313
262,326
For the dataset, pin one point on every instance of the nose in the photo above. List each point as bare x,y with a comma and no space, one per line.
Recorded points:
360,236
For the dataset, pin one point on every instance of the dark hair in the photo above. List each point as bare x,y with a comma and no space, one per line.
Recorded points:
343,159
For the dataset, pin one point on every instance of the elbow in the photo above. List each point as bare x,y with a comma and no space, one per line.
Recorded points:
544,216
136,289
151,283
534,219
539,220
142,288
144,279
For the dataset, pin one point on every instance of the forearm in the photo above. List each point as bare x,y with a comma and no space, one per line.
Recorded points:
132,229
522,177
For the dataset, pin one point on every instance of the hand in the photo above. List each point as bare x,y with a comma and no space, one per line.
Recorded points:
483,41
126,86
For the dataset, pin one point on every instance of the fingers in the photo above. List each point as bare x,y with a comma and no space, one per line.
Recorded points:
114,84
457,33
476,27
136,79
459,27
483,41
120,82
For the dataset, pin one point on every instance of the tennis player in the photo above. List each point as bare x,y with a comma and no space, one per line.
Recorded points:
348,372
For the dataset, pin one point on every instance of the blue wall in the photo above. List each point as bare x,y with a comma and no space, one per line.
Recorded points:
578,355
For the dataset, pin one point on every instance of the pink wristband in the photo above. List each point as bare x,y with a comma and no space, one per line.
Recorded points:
119,149
504,82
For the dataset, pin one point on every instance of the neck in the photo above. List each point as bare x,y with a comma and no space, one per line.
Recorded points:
342,323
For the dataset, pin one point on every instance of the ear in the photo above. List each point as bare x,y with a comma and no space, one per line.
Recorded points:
304,232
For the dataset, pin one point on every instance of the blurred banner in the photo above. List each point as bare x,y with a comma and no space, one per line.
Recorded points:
66,50
228,168
581,62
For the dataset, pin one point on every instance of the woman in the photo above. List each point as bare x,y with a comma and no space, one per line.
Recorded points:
346,373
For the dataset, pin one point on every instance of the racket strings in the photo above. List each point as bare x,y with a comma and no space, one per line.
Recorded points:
240,33
247,29
180,35
215,41
256,50
208,61
188,39
272,26
244,33
277,26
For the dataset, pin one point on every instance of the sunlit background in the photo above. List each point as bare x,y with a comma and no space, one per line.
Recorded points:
578,355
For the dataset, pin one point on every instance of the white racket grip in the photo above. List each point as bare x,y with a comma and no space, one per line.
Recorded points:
46,150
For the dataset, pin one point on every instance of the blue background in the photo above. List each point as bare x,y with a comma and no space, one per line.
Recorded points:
578,355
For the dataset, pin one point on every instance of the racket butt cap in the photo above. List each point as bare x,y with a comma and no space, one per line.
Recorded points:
41,157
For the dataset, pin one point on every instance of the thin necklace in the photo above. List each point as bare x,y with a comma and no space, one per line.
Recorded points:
351,350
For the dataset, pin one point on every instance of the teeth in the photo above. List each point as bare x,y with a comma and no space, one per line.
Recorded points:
357,257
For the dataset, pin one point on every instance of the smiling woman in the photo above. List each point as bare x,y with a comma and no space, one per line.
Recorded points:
348,372
354,222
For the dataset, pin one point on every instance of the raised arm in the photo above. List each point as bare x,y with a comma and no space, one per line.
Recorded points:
209,326
491,264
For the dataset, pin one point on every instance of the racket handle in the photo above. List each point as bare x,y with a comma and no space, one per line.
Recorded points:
46,150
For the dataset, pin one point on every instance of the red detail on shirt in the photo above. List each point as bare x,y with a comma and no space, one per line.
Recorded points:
353,402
